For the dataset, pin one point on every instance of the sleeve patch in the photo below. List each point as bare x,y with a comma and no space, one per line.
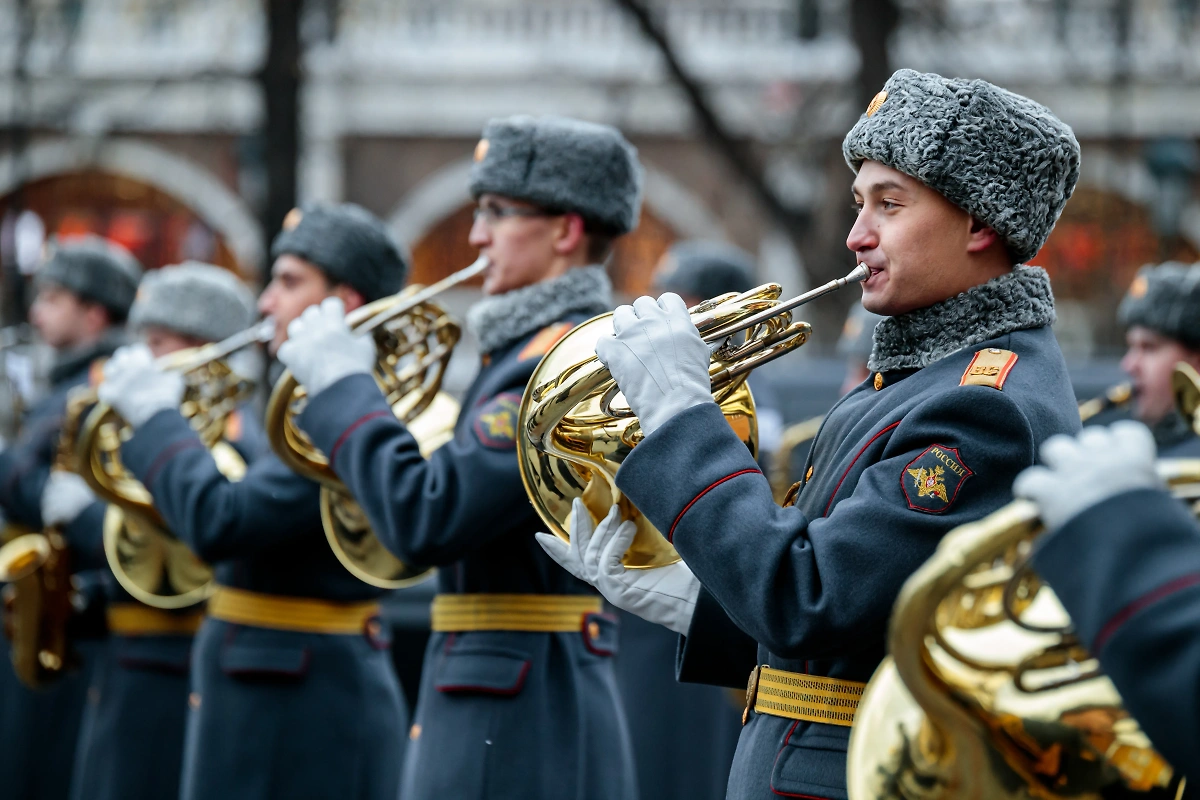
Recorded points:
543,340
931,481
989,368
495,423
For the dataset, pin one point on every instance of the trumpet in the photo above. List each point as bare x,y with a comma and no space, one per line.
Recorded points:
37,568
987,691
574,435
145,557
414,339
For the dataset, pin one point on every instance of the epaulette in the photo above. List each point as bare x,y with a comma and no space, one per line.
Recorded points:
989,367
543,340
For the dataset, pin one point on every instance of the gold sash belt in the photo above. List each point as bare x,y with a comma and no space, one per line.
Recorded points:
794,695
135,619
302,614
539,613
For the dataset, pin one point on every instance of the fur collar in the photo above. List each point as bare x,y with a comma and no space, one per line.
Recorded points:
499,320
1014,301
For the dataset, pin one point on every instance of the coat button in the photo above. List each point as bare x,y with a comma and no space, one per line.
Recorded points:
194,700
414,732
593,630
878,381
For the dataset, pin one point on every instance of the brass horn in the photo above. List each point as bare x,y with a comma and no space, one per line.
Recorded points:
37,570
987,692
574,434
414,339
146,558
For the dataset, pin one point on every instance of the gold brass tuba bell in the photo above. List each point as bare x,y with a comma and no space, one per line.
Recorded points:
414,339
37,569
574,433
146,558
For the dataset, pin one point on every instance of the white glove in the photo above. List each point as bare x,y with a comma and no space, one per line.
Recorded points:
1087,469
665,595
321,349
64,498
658,358
136,388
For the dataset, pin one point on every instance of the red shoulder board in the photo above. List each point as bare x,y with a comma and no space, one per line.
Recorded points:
989,368
546,338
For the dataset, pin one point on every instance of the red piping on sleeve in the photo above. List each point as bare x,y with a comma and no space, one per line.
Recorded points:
862,450
1150,598
365,418
675,524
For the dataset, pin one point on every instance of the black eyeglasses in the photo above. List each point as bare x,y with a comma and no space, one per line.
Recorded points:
491,213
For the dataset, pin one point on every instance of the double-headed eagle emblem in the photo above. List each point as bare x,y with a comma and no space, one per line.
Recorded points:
930,483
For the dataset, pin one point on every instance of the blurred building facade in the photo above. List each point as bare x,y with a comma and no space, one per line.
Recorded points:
142,119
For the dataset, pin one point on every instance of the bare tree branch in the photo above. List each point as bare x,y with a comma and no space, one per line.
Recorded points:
736,152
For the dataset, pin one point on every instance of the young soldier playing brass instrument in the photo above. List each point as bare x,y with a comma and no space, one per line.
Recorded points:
958,183
292,694
517,696
84,290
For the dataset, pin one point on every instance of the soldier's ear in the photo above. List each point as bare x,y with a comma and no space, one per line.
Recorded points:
981,237
351,297
571,234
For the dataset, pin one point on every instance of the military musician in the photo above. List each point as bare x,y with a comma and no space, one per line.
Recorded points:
957,184
84,291
1123,557
517,697
1161,317
131,741
292,693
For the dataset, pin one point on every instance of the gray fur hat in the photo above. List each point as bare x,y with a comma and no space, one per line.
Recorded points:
705,269
561,164
193,299
858,333
1165,298
93,268
1003,158
346,242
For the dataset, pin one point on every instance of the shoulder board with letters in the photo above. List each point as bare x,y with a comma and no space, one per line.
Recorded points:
989,367
543,340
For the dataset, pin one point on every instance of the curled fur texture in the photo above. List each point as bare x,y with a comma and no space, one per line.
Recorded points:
562,164
1005,159
194,299
1165,298
499,320
1014,301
